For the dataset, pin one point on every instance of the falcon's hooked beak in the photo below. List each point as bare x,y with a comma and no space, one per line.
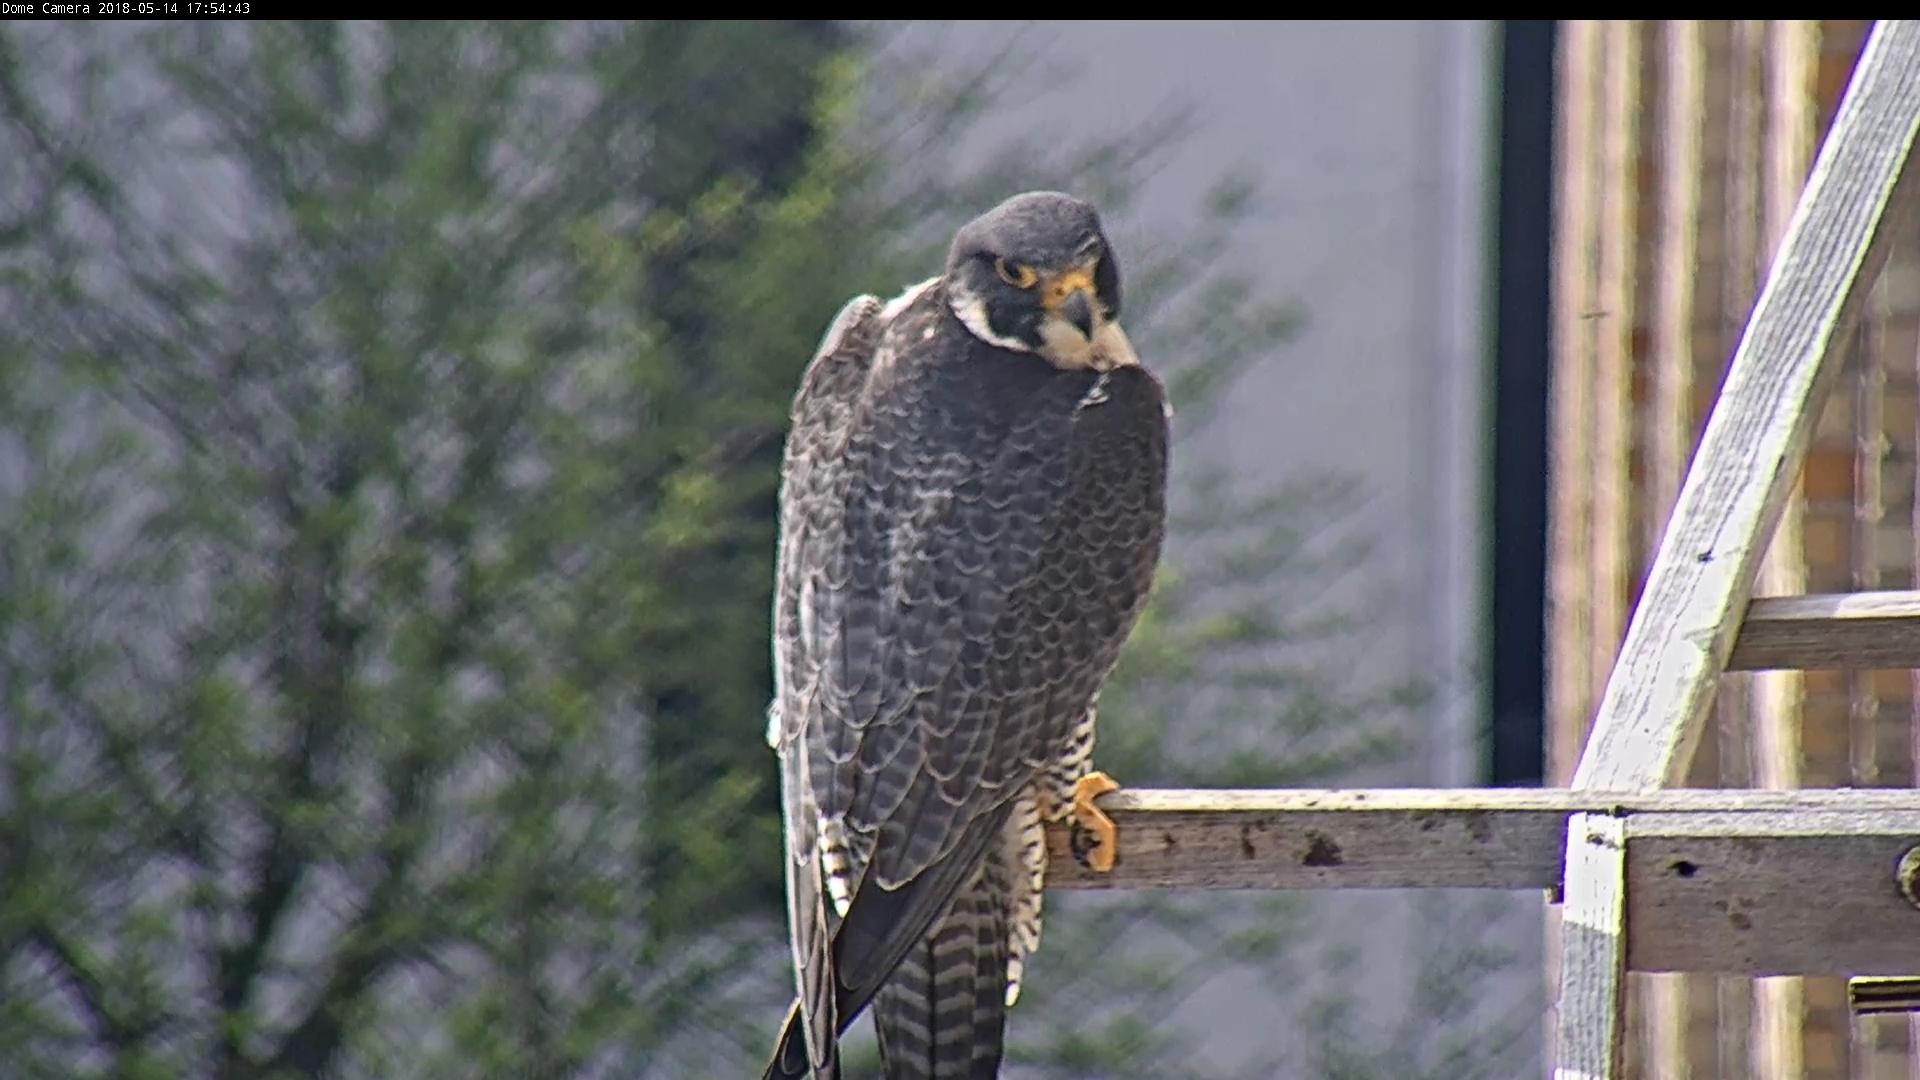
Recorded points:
1070,296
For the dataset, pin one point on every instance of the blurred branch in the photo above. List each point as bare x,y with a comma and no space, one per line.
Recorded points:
174,828
315,674
84,982
362,953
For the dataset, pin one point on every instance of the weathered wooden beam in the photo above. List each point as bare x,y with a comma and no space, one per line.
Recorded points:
1495,838
1574,683
1802,892
1593,940
1392,838
1755,442
1758,882
1682,290
1499,838
1843,630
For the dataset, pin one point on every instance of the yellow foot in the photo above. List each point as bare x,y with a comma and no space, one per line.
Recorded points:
1098,850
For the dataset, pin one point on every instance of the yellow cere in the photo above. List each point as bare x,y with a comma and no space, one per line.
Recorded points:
1061,285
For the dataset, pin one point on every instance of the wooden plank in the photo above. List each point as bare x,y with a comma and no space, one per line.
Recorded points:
1772,893
1778,697
1682,632
1913,716
1492,838
1870,446
1842,630
1683,62
1735,282
1593,948
1608,454
1670,413
1770,882
1572,683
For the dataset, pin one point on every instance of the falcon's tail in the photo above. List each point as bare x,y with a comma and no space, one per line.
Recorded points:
942,1014
887,932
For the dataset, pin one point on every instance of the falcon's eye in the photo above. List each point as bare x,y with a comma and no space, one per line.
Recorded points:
1019,275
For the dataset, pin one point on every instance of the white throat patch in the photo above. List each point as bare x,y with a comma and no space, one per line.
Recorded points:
1065,348
1060,344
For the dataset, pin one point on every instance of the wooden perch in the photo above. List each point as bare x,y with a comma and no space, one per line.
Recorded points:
1738,882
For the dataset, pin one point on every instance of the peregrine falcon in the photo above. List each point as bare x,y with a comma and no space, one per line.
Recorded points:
971,512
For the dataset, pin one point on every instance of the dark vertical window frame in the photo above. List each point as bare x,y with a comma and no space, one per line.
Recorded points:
1516,557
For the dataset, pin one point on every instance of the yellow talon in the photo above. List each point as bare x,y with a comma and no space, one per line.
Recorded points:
1098,854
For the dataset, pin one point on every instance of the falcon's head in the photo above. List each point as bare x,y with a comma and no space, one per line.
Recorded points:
1035,274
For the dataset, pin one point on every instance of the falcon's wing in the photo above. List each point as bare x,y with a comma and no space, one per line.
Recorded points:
815,441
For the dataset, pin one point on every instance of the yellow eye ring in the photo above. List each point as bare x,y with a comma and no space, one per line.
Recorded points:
1018,275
